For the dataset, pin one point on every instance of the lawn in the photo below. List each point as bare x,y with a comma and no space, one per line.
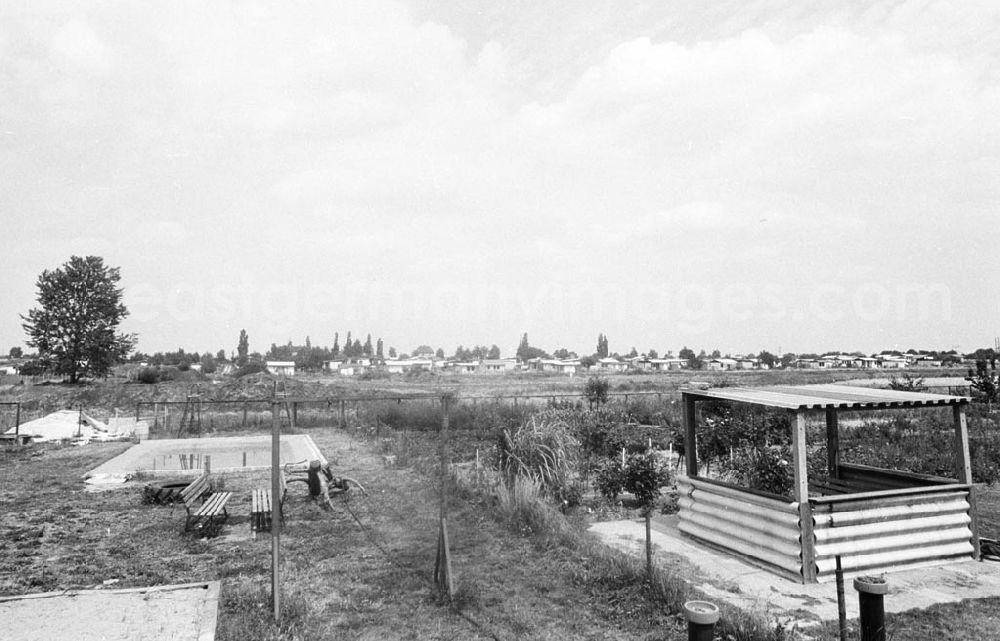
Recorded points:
361,570
343,577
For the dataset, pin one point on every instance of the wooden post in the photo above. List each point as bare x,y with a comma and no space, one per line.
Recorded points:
690,442
963,469
832,444
295,414
275,503
343,414
17,422
649,543
244,413
442,564
801,495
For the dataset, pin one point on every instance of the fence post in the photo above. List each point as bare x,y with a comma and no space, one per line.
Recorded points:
442,564
275,509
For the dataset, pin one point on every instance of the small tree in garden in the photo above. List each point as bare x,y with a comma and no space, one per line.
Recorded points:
596,390
644,476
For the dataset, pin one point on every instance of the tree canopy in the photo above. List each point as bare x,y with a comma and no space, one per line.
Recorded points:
74,327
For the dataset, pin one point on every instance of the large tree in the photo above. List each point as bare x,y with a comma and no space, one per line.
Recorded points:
74,329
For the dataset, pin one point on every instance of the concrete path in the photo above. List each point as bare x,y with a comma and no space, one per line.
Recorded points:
746,586
185,612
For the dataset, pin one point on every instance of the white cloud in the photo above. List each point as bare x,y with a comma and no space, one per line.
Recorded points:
367,123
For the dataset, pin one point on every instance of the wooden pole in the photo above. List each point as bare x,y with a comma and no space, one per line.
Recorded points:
832,444
690,441
17,422
649,543
963,465
442,565
275,513
801,496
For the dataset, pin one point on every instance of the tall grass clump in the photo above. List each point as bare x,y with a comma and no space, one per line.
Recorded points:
543,449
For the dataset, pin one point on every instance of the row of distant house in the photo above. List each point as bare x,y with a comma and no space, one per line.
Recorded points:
356,366
878,361
610,365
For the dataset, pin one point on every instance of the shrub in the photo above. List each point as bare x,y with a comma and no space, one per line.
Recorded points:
253,367
148,375
610,479
645,474
596,390
766,469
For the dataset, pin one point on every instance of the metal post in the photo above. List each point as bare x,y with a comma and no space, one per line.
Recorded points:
275,513
841,601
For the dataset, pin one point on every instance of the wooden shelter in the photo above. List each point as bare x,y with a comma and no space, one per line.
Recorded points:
874,519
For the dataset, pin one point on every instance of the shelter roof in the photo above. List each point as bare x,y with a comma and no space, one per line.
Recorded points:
813,397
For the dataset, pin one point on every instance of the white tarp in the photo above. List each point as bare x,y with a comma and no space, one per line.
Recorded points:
70,424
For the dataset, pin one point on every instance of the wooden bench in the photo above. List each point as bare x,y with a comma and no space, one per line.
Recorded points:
261,507
211,513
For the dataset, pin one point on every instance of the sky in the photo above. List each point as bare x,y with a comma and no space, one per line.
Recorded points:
739,176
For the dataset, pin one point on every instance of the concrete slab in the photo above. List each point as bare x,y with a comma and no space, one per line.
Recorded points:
737,582
188,455
183,612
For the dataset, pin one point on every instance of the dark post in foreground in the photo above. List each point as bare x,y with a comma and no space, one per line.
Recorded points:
841,601
701,617
275,507
442,564
871,591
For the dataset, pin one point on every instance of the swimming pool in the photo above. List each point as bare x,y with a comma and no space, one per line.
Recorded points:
224,454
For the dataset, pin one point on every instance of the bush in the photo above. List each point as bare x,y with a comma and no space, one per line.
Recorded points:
596,390
610,479
253,367
766,469
645,474
148,375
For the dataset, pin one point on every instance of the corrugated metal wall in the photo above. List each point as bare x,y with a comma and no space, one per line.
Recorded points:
764,529
882,532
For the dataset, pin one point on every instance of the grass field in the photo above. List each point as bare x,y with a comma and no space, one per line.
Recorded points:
363,569
342,579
